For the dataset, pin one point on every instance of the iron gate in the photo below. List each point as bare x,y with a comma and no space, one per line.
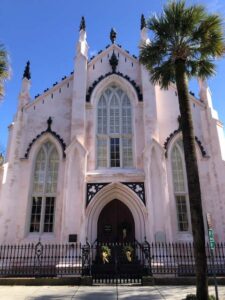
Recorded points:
120,262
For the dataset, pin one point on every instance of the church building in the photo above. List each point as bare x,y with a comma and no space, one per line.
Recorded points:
99,156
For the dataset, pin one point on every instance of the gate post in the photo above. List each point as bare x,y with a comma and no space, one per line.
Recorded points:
86,259
147,258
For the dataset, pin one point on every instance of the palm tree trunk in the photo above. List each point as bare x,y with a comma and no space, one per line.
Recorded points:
193,181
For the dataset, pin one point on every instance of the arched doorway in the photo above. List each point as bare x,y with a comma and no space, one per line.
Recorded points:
116,223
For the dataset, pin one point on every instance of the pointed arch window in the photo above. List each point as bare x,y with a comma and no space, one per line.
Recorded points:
180,186
114,129
44,189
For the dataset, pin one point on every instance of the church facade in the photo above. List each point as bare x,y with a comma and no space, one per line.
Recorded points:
99,156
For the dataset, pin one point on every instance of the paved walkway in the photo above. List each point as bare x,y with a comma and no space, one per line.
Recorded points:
99,292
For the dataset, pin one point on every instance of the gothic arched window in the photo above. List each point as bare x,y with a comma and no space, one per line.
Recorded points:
180,185
44,189
114,129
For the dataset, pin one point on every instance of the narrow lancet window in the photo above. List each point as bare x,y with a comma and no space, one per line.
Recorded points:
44,189
180,186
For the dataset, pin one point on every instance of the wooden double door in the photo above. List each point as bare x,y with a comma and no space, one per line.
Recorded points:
116,223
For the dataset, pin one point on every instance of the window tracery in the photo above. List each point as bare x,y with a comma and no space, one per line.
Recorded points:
44,189
180,186
114,129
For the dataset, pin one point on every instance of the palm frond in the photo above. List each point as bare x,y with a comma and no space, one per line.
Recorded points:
206,68
163,74
211,35
153,54
4,69
186,33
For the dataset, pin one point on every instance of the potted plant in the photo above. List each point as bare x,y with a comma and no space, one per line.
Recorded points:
105,254
128,251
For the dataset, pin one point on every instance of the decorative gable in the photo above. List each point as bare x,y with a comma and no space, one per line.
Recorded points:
113,60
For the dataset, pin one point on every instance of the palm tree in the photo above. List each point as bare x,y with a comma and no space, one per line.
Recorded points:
185,42
4,69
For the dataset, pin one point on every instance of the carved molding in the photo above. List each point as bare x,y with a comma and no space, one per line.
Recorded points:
138,188
172,135
113,62
53,133
132,82
204,154
169,139
93,189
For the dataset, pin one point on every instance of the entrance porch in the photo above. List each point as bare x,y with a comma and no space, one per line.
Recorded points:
116,214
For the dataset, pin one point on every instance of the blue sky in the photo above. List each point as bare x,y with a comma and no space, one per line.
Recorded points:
46,31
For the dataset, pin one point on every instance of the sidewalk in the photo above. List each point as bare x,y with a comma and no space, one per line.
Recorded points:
99,292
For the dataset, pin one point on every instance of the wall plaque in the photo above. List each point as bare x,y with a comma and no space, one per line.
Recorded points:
108,228
72,238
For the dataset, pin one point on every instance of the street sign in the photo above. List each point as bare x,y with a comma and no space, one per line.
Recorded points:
211,233
211,239
212,245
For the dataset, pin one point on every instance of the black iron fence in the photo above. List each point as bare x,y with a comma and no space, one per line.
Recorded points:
178,259
40,260
108,260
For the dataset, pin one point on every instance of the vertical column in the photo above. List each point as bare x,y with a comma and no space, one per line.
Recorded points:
80,86
73,218
149,95
10,185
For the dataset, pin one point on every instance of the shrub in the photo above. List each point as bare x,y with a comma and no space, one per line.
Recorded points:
191,297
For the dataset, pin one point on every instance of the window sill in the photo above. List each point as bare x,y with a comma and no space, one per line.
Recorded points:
116,174
184,236
34,237
115,170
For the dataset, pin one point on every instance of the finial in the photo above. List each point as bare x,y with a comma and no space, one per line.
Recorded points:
143,22
26,73
49,122
113,35
82,24
113,62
